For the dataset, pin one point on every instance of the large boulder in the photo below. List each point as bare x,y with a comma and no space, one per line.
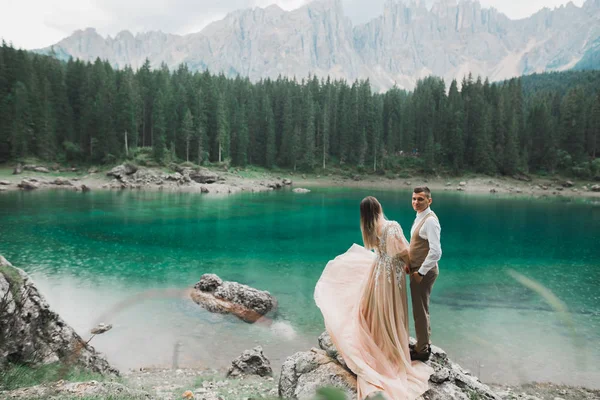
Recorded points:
145,176
62,182
203,176
32,334
303,373
245,302
28,184
251,362
120,171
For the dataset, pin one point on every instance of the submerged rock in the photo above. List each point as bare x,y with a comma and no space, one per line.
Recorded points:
32,334
223,297
301,190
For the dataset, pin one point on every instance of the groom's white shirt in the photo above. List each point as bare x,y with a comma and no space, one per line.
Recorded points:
430,231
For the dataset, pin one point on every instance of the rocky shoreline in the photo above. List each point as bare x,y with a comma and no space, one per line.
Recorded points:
29,320
223,180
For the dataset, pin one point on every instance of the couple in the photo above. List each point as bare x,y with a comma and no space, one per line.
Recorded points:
363,298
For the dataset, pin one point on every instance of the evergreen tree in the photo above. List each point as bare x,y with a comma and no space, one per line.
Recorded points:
159,127
270,128
188,132
222,138
22,131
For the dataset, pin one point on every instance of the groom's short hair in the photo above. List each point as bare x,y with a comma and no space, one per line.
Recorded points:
423,189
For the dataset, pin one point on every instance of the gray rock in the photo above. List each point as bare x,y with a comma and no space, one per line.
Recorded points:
28,185
18,169
4,183
595,188
144,176
568,184
326,344
120,171
32,334
251,362
301,190
304,372
286,182
61,182
101,328
208,283
463,183
203,177
243,301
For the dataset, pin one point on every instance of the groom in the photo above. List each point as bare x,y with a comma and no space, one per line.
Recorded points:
425,252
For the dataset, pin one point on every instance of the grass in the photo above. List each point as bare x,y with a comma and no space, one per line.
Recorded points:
20,376
15,281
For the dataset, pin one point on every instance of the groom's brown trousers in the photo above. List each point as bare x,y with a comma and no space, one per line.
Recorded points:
420,292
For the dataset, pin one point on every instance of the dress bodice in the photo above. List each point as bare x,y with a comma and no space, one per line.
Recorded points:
388,259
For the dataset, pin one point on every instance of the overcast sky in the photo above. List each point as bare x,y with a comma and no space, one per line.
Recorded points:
38,23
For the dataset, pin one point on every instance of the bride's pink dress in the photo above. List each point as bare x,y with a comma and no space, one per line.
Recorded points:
363,298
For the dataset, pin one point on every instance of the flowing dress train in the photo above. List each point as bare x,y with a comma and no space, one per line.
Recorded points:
363,298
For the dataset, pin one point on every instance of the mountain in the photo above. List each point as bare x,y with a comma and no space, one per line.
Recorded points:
410,40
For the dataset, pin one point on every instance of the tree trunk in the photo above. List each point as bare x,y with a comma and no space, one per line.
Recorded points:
126,148
375,162
199,151
219,152
187,148
144,127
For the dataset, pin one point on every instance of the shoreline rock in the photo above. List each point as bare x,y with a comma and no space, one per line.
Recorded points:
231,181
31,334
251,362
304,372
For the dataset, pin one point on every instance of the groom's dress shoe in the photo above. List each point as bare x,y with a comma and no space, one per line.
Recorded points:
420,355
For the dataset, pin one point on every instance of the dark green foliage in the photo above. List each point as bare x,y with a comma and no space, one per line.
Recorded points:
91,113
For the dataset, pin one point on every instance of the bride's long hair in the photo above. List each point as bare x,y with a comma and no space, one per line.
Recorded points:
370,214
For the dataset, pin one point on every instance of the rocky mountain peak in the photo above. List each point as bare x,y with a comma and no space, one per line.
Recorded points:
411,39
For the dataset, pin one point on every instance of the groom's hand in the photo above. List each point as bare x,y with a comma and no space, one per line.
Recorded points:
418,278
407,268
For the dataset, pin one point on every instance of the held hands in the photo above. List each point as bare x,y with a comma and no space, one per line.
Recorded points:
418,278
407,268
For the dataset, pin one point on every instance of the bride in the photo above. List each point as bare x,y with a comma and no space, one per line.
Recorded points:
363,298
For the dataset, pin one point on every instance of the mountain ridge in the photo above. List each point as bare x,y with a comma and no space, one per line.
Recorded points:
408,41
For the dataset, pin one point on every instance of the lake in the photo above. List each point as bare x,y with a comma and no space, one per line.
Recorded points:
88,252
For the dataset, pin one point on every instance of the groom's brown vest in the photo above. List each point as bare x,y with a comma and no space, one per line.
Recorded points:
419,248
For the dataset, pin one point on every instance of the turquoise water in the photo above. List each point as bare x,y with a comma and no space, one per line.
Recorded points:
88,252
